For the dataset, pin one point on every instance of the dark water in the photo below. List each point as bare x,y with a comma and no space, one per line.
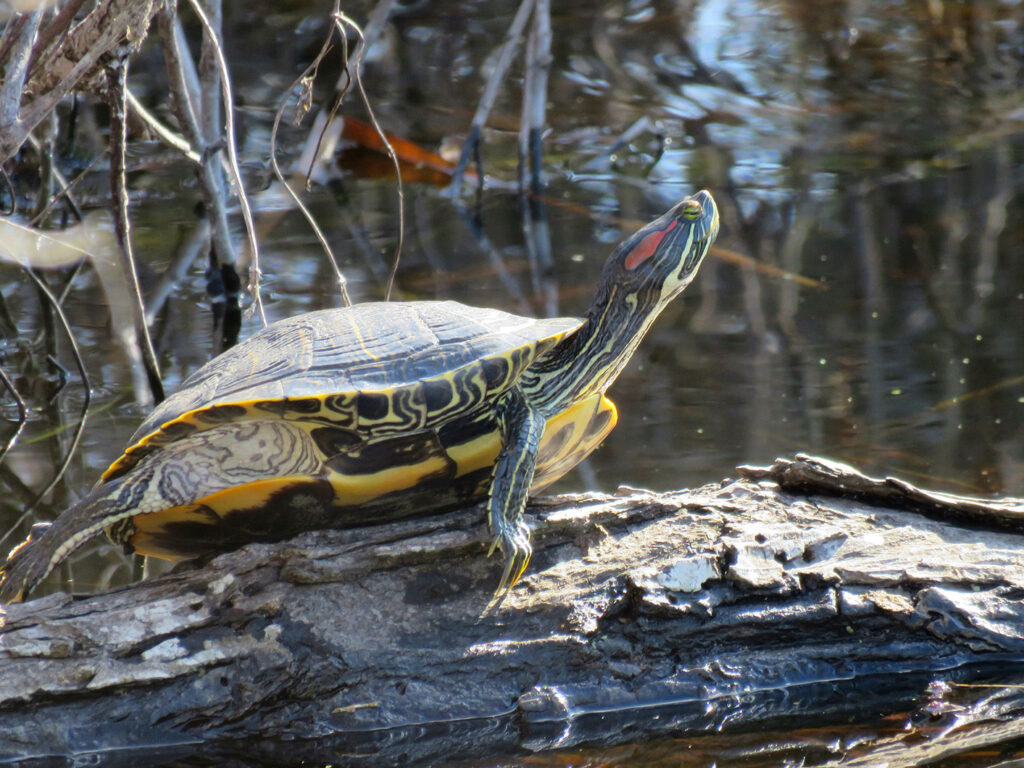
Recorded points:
865,302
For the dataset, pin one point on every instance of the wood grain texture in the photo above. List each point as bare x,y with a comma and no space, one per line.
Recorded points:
641,614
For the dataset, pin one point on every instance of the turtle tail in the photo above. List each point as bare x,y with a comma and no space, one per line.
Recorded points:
50,543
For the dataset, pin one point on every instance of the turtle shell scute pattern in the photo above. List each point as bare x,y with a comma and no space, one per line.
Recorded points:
375,368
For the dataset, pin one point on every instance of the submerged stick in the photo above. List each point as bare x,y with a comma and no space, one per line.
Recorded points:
535,94
471,146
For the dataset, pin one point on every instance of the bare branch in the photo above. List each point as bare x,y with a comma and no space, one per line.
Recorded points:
184,87
307,73
57,28
354,67
63,68
117,85
17,69
209,76
236,174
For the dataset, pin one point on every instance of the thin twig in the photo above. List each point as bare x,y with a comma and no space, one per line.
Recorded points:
86,401
66,186
117,84
165,134
236,174
22,412
325,118
342,282
325,126
340,19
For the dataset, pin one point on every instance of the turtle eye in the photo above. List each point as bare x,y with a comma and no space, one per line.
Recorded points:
692,210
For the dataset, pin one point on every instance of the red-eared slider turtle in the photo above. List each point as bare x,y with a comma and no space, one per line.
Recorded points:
352,416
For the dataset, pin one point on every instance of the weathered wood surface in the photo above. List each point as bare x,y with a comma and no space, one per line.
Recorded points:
68,56
641,613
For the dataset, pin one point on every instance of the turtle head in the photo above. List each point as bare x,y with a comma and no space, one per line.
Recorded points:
657,262
640,278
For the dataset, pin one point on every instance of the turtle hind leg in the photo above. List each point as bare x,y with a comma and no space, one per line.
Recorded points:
44,549
50,543
522,427
26,566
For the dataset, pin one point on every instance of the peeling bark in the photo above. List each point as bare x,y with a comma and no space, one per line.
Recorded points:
63,63
641,614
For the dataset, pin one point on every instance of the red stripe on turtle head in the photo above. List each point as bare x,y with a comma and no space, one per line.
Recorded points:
647,247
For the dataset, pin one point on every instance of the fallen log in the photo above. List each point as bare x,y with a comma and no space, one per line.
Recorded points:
736,603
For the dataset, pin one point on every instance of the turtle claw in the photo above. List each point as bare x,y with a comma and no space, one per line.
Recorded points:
515,545
26,566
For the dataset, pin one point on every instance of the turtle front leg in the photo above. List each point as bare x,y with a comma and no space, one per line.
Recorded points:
522,427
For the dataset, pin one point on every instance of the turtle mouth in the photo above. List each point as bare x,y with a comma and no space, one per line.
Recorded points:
711,233
710,218
704,231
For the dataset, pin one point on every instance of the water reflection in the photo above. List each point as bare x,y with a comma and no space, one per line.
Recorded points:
954,725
